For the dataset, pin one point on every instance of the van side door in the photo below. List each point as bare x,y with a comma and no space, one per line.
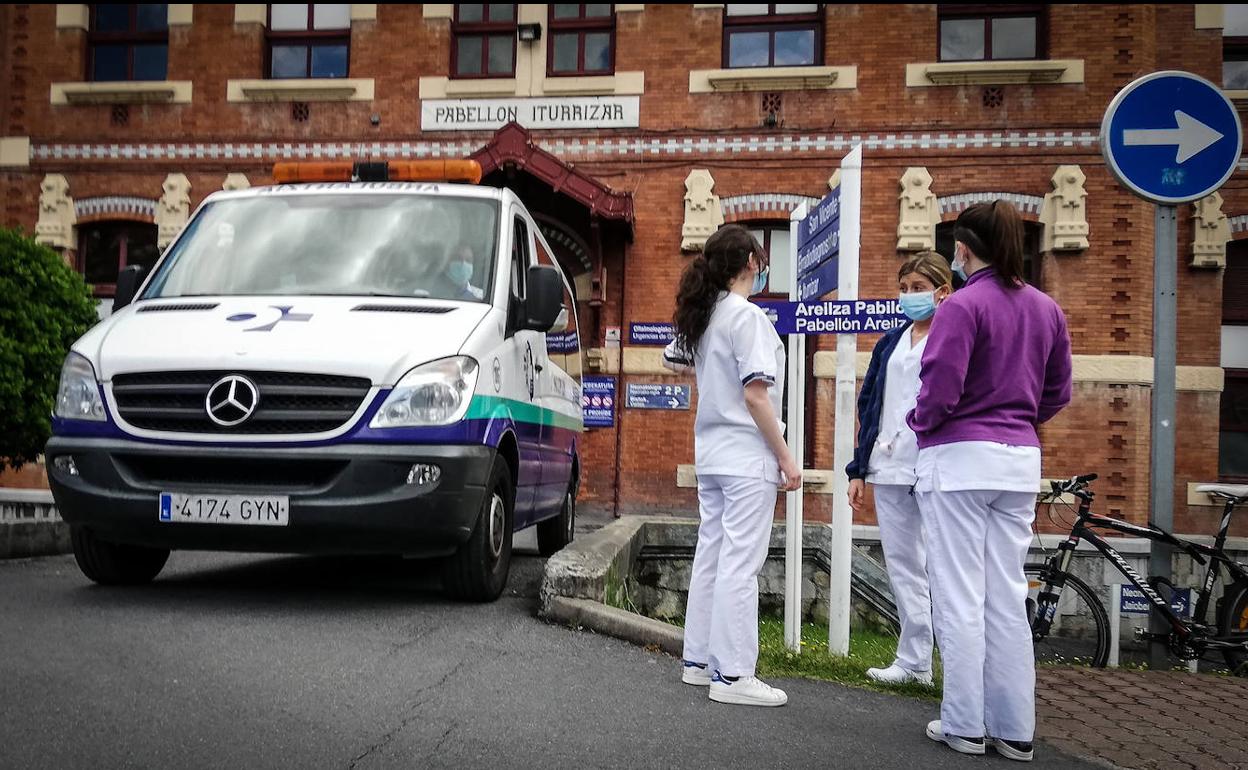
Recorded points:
523,358
560,385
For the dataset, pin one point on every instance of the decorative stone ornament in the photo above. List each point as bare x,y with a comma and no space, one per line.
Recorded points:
173,209
57,217
703,214
919,215
1210,231
235,181
1064,213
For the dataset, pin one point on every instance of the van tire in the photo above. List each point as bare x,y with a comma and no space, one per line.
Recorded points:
113,564
557,532
477,572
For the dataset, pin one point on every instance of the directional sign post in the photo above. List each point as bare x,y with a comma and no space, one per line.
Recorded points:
1169,137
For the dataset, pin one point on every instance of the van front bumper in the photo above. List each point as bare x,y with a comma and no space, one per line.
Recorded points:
350,498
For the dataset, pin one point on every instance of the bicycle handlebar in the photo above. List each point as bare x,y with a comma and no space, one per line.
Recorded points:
1075,484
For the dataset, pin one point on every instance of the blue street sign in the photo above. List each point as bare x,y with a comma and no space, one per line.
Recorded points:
658,396
1171,137
819,242
598,401
1134,602
819,281
826,214
858,316
650,333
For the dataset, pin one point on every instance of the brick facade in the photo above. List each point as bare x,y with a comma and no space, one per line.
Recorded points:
967,146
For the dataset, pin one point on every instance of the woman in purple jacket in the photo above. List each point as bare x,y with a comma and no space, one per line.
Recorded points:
997,365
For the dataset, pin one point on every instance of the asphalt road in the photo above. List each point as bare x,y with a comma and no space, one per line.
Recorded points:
236,661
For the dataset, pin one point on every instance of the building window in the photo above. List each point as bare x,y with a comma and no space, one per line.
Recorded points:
1233,427
773,35
775,240
309,41
104,248
483,41
989,32
1032,261
128,42
1235,47
1233,417
582,39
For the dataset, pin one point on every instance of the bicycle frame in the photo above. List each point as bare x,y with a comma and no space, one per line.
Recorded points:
1213,555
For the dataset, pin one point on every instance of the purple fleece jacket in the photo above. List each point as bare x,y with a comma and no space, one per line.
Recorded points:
997,364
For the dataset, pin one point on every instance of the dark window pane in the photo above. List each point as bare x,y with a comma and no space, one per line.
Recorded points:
151,62
468,60
961,39
101,254
502,11
108,62
795,47
290,61
141,250
288,17
1235,75
748,49
502,57
112,18
598,52
1014,38
329,61
153,17
597,10
565,52
567,10
470,11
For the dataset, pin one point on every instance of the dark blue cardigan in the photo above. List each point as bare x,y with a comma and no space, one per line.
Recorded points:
871,402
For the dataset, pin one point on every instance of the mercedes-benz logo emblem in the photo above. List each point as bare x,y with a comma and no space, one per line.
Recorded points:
231,400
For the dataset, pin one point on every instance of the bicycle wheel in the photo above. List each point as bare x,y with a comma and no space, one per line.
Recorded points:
1079,632
1233,622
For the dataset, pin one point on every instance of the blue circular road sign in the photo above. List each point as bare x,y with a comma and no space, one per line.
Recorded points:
1171,137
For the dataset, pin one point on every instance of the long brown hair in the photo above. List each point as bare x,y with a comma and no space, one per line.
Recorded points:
994,231
725,255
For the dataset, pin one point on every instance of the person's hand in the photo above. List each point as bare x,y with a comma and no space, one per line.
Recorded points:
791,473
858,495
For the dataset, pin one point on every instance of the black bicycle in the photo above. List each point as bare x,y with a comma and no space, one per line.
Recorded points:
1068,620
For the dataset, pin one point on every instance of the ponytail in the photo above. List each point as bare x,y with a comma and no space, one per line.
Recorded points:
994,232
725,255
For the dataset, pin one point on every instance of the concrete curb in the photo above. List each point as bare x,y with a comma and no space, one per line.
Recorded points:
30,525
618,623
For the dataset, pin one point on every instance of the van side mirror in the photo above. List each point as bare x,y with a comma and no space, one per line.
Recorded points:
545,298
128,282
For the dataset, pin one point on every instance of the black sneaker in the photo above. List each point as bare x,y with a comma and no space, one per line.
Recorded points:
1019,751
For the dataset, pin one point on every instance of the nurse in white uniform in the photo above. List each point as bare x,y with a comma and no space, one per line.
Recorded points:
886,457
741,459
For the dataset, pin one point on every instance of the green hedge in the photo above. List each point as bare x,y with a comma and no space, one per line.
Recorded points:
44,306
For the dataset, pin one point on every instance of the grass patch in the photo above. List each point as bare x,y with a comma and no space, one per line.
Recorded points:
866,650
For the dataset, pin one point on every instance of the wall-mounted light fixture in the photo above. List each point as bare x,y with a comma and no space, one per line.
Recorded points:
529,33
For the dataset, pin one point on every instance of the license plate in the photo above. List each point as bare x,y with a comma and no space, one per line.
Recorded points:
271,511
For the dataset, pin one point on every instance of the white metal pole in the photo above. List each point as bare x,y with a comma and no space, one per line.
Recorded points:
841,542
795,427
1115,622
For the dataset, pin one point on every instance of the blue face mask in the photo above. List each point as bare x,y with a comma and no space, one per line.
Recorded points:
919,305
459,273
959,265
760,281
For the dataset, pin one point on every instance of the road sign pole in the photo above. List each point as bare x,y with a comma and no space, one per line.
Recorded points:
796,426
1161,460
841,541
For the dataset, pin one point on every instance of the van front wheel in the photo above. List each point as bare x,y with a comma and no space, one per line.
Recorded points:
113,564
477,572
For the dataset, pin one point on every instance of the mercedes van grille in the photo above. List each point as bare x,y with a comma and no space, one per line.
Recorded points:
175,402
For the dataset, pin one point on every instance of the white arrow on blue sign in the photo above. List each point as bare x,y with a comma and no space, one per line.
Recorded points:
1171,137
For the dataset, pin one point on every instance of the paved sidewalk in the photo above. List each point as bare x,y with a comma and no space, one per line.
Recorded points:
1145,719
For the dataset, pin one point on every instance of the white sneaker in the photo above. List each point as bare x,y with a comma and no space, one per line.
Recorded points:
1019,751
699,676
957,743
895,674
746,691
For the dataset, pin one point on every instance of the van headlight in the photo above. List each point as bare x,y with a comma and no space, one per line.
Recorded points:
78,396
437,393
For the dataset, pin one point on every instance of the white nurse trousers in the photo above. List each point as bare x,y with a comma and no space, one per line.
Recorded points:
721,617
976,546
901,535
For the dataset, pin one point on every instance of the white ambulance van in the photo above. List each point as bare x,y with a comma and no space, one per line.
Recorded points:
354,360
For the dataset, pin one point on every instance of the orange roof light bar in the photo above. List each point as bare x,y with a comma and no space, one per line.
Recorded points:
468,171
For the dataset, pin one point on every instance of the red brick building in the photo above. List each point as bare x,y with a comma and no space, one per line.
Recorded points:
118,120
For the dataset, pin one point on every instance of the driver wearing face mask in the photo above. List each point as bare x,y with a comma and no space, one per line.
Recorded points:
459,274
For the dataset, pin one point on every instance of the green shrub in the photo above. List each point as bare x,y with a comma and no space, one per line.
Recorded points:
44,307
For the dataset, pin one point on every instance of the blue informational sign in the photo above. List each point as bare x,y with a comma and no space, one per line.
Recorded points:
561,342
1134,602
819,281
647,395
650,333
819,248
598,401
1171,137
858,316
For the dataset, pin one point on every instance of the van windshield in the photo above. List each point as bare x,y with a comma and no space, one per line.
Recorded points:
329,244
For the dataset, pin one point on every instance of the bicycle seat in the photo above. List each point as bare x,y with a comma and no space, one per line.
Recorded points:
1236,492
